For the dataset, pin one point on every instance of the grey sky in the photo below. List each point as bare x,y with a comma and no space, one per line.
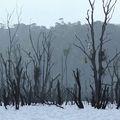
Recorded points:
47,12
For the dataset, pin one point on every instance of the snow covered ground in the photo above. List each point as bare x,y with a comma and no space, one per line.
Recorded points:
41,112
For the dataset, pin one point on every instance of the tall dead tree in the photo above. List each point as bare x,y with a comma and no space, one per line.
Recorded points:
42,64
96,54
18,70
8,62
117,82
77,98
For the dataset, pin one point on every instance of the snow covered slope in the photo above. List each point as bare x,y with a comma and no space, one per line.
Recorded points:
54,113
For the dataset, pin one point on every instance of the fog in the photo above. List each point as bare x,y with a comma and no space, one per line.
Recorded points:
47,12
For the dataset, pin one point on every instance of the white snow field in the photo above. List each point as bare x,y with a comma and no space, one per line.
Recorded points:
40,112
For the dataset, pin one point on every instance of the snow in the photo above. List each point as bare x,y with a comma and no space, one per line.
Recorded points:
44,112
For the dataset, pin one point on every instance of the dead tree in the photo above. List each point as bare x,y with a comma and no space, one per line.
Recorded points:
5,101
50,95
42,64
117,83
77,98
47,61
2,79
59,99
111,71
27,86
17,82
96,54
8,63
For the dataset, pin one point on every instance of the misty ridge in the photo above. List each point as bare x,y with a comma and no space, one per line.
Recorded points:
63,38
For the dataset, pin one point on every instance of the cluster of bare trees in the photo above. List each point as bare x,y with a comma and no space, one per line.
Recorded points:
99,61
30,81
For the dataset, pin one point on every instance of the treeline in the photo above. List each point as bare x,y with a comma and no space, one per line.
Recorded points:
32,80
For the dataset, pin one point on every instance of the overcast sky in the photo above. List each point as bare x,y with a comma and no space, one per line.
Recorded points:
47,12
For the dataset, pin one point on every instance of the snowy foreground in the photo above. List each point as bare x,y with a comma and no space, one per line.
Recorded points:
40,112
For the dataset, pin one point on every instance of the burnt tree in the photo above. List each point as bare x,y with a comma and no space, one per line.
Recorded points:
96,49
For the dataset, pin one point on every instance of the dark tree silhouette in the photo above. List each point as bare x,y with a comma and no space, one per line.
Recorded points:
96,54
